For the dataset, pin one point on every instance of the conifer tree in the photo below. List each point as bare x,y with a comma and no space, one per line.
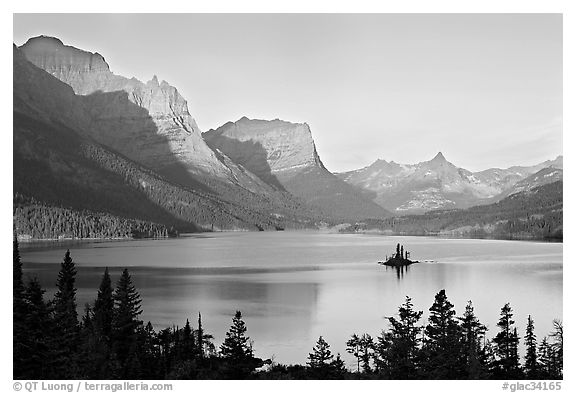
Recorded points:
18,311
507,365
353,347
531,357
381,355
442,344
66,321
321,356
546,359
188,350
200,339
404,342
17,283
104,307
472,333
125,322
236,345
366,352
38,341
338,366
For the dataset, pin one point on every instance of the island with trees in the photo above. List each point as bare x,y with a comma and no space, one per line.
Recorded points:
400,258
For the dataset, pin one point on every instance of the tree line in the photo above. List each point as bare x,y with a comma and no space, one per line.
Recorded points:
40,221
537,214
110,341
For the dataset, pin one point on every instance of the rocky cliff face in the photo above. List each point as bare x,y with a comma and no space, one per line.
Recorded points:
436,184
267,148
148,122
283,155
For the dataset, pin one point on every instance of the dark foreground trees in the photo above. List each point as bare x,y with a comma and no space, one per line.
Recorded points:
111,342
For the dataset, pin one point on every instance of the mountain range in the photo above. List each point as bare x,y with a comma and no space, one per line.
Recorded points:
97,146
439,184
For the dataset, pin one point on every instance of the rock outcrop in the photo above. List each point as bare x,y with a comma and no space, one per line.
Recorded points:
148,122
284,155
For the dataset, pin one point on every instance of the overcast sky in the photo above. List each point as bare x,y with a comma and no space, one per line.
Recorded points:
486,90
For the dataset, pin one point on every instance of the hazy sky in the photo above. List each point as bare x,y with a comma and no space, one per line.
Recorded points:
485,89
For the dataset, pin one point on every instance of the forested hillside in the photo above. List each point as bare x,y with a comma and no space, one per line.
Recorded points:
534,214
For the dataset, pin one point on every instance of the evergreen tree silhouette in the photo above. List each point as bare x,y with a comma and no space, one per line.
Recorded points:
125,322
403,350
104,307
472,334
18,312
65,361
531,356
200,333
38,343
442,347
353,347
321,356
236,344
507,363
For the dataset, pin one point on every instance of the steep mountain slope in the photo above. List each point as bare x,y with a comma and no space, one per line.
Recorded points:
505,179
148,122
544,176
436,184
57,164
283,155
536,213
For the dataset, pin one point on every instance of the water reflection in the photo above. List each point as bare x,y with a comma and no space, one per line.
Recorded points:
400,270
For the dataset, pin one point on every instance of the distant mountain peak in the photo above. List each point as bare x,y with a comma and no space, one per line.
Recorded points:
439,157
154,81
46,39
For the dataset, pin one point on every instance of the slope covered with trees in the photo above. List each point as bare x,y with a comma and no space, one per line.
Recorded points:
533,214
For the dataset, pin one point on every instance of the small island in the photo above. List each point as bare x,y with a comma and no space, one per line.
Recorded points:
400,258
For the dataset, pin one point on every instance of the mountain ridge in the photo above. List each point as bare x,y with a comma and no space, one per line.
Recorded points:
436,184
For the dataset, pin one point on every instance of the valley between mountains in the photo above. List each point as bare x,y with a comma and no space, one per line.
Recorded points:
99,155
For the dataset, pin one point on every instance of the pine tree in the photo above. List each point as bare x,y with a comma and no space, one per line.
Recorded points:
353,347
200,339
125,323
531,357
442,344
38,341
366,352
188,350
17,283
18,312
472,333
404,342
338,366
104,307
381,355
65,361
321,356
236,345
507,364
546,359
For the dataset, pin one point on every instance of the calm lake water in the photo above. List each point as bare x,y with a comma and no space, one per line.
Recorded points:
295,286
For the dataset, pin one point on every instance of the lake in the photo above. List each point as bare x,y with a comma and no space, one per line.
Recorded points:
295,286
